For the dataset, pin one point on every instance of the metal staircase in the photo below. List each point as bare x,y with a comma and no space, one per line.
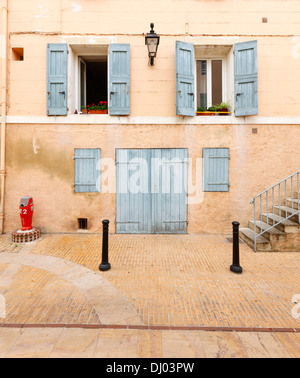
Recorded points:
276,221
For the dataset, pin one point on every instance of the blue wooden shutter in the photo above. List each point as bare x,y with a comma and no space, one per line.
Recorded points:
245,62
185,62
57,78
216,169
119,79
87,170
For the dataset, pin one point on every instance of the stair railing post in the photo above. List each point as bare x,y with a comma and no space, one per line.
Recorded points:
235,267
254,225
105,265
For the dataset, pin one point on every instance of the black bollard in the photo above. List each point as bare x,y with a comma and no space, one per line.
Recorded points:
235,267
105,265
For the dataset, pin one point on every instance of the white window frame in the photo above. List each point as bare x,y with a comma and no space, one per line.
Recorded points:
222,52
81,61
209,80
76,53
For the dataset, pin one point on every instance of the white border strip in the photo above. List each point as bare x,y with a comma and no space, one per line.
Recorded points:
83,119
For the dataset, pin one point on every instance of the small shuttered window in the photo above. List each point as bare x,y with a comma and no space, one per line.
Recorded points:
57,78
246,78
216,169
87,170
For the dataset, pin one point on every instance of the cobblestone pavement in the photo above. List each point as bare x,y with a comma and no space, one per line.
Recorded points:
163,292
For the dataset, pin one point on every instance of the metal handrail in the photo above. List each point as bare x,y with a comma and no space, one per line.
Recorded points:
265,199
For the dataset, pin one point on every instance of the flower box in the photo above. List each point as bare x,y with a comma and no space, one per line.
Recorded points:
100,108
222,109
98,111
212,113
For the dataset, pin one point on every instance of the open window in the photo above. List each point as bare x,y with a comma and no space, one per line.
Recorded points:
214,77
81,75
93,84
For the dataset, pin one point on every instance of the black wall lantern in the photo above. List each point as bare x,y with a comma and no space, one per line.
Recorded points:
152,42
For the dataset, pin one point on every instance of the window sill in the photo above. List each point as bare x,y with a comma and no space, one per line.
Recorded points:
105,119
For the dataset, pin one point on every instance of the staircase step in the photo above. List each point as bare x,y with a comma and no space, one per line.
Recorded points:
273,234
287,226
286,210
262,244
294,202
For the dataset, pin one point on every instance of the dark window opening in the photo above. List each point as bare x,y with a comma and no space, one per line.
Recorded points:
82,223
93,81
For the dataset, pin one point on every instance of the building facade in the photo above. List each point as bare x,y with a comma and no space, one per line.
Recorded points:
151,164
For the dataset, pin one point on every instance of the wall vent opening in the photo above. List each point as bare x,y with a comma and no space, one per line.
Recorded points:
18,53
82,223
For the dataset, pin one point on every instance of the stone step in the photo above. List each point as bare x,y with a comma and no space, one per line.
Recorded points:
286,211
262,244
294,202
286,226
272,235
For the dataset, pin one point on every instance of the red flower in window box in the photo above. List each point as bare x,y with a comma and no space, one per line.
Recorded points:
101,108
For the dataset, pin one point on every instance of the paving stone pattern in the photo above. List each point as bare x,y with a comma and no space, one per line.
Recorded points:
184,280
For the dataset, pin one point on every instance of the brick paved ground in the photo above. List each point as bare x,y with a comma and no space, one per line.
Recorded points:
184,280
38,297
161,291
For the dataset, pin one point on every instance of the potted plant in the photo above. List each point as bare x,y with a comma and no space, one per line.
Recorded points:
220,109
205,112
224,108
100,108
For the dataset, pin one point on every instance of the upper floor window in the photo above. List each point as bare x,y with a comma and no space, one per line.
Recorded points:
93,84
79,75
209,75
210,82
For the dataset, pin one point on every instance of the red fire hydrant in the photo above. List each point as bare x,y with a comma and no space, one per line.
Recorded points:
26,213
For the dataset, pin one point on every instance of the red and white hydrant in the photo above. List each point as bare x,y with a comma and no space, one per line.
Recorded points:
26,213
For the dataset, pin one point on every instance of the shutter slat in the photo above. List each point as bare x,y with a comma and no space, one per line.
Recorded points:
57,78
119,79
216,169
185,96
246,78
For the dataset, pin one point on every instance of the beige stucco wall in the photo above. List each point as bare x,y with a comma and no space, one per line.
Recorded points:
40,163
153,89
40,149
34,23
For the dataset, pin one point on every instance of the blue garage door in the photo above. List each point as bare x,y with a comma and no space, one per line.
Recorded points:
151,191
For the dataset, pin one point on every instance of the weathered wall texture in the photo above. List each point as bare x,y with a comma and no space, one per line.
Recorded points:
34,23
40,163
40,153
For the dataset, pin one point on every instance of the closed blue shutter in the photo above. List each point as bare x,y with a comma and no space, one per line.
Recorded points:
119,79
216,169
185,62
87,170
246,78
57,78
